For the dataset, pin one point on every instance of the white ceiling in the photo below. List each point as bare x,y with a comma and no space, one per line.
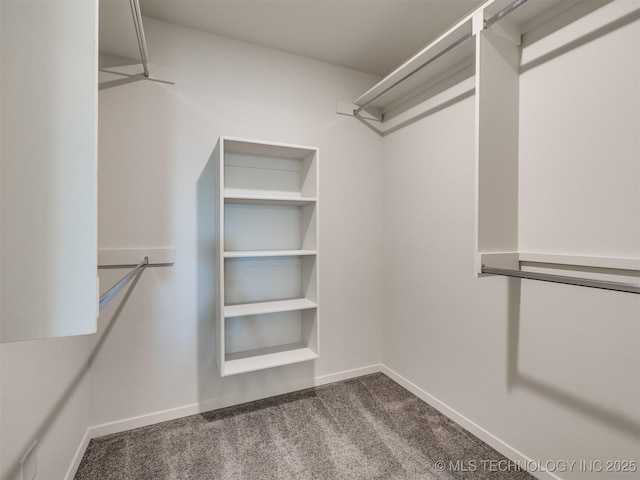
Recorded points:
372,36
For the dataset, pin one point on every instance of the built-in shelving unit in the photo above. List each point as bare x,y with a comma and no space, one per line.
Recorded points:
267,254
482,55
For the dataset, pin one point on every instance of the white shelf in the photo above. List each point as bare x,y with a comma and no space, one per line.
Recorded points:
275,306
243,362
259,198
268,253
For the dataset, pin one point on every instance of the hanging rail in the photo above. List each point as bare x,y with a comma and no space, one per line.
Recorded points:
582,282
113,291
468,36
487,23
142,43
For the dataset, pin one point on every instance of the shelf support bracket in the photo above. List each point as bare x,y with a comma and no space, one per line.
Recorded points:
349,109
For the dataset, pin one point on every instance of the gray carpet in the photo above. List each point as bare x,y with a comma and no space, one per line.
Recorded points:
365,428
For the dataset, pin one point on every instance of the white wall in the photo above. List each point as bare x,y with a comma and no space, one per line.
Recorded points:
47,103
552,371
49,162
155,188
44,396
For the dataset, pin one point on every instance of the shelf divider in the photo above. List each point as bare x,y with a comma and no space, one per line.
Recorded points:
274,306
268,253
243,362
258,198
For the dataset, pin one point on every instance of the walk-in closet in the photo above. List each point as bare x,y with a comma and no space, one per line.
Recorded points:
319,239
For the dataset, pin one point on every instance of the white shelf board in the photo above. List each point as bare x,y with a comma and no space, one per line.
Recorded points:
271,149
127,257
243,362
458,55
267,253
259,308
522,18
614,263
261,199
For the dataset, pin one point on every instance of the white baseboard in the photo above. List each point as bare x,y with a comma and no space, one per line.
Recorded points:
230,400
213,404
487,437
77,458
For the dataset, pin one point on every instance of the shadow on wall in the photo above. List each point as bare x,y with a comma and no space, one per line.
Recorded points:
519,379
206,242
516,378
563,20
74,384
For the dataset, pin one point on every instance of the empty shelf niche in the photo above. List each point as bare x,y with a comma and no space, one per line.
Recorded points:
259,171
269,340
269,227
269,279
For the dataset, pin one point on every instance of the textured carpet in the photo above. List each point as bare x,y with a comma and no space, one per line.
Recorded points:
365,428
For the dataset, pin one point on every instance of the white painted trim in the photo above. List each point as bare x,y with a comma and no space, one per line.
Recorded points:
484,435
77,458
213,404
237,399
615,263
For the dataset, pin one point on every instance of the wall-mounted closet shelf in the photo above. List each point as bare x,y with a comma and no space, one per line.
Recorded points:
406,81
497,96
482,54
267,254
451,52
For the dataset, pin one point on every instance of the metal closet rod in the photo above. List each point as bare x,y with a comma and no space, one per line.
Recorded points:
113,291
503,13
487,23
582,282
413,72
142,43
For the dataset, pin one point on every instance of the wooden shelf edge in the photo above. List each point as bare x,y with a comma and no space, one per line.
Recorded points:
520,20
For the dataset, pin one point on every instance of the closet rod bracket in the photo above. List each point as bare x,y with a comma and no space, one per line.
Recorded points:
113,291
